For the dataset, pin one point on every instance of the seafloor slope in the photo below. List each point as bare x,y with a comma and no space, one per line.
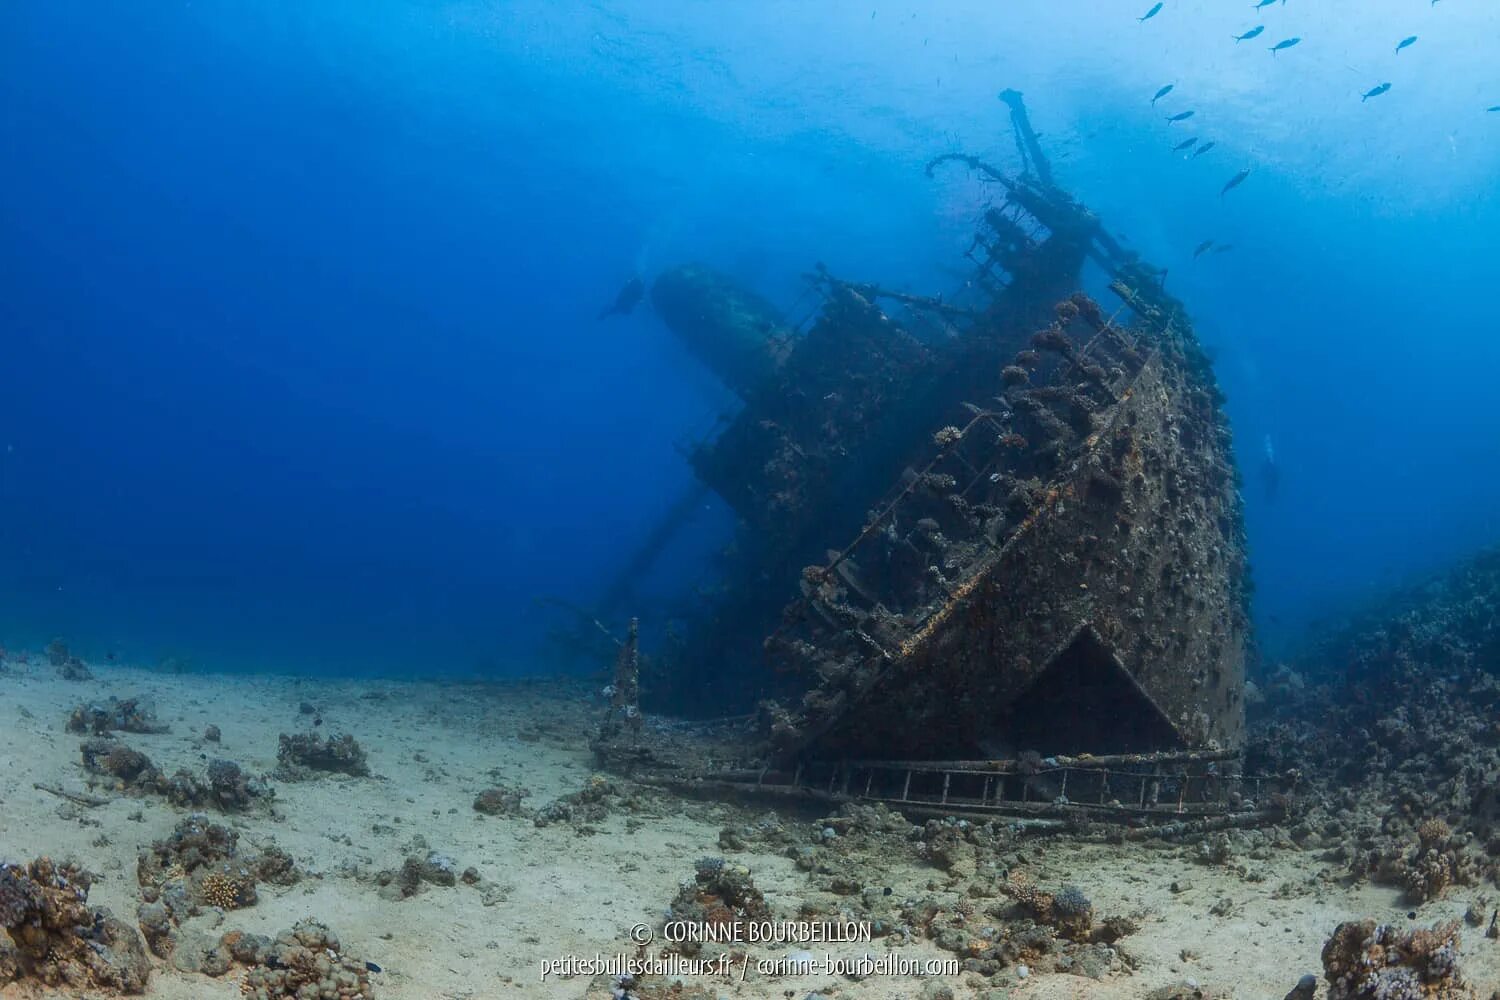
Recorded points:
565,861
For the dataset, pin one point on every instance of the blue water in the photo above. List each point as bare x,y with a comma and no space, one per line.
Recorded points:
301,365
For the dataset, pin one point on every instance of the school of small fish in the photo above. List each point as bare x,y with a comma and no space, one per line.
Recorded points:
1210,246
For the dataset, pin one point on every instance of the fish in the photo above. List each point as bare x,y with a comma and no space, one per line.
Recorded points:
1181,116
1210,144
1494,108
1202,248
1374,92
1284,45
1186,144
1266,3
1234,182
1163,92
1252,33
626,300
1405,42
1152,12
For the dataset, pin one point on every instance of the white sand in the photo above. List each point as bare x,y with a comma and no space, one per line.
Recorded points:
552,892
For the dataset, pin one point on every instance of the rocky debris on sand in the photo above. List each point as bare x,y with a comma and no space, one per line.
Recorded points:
720,893
422,868
69,666
590,805
128,716
1189,989
628,987
225,786
305,755
199,866
766,833
1067,910
57,652
108,757
1364,960
500,800
989,938
985,912
416,873
228,788
53,937
306,963
1398,751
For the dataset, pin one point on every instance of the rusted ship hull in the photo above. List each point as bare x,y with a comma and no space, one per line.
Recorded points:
1000,525
1105,616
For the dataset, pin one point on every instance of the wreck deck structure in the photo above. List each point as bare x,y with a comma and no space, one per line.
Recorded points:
1000,527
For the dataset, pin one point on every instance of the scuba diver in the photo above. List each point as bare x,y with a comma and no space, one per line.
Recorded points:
1270,472
627,299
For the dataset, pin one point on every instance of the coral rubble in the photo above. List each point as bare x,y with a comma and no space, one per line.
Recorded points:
225,785
719,893
1364,960
500,800
52,935
1397,751
69,665
201,865
306,962
128,716
304,755
590,805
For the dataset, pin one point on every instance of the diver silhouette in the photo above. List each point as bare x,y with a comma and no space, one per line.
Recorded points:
1270,472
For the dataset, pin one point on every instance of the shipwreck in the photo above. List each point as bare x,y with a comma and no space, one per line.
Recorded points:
990,553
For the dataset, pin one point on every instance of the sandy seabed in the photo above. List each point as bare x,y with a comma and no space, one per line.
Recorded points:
1246,931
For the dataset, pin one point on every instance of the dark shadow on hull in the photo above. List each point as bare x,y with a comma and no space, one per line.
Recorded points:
1085,702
